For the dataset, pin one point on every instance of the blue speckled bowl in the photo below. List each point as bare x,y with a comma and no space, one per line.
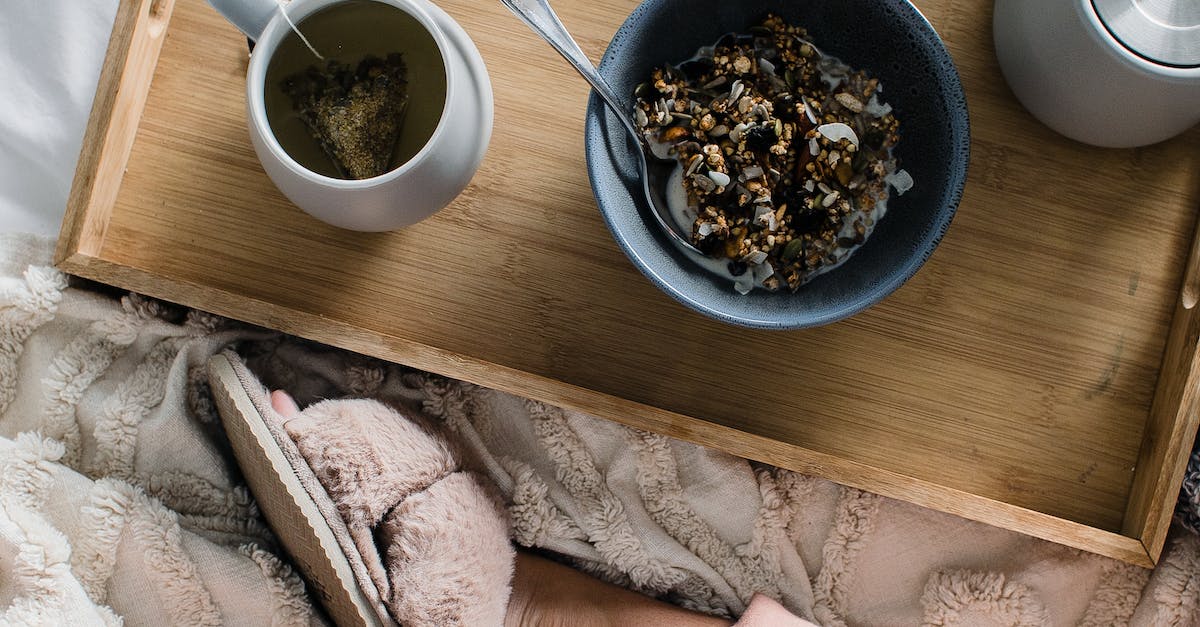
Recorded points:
888,38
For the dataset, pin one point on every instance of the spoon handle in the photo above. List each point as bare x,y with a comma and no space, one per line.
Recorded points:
538,15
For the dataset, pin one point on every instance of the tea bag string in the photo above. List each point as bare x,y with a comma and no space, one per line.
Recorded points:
282,4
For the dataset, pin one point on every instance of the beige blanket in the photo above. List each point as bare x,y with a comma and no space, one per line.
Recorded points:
119,501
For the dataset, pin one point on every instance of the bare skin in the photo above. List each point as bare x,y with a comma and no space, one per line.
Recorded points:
549,594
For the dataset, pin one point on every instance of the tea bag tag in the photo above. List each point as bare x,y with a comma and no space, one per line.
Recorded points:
282,4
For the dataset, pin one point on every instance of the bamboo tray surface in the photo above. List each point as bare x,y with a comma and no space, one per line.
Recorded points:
1036,374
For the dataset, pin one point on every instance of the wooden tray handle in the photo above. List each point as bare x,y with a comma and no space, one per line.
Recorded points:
1191,273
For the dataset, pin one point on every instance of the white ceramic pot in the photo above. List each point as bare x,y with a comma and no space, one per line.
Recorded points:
416,189
1115,73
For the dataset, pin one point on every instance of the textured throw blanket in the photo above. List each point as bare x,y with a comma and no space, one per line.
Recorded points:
120,502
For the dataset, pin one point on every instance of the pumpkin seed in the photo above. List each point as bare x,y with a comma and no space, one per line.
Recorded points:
792,249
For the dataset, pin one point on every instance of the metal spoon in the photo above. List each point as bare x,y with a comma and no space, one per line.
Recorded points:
538,15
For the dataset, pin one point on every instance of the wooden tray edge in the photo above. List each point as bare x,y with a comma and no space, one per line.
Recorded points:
1173,420
129,66
728,439
129,63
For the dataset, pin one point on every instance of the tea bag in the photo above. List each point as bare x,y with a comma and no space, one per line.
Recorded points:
355,113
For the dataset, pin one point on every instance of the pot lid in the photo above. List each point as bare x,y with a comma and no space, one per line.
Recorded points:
1163,31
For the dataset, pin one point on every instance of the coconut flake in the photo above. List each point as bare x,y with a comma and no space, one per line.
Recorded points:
875,109
743,284
836,131
735,92
704,230
754,258
900,180
735,134
766,66
720,178
764,216
812,117
752,172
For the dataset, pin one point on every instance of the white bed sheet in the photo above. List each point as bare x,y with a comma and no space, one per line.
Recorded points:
50,57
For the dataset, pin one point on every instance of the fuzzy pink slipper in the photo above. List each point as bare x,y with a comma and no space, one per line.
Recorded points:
374,507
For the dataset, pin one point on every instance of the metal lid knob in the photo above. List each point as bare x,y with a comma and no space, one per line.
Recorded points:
1166,32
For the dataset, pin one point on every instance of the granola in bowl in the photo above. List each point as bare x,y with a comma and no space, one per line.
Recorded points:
784,154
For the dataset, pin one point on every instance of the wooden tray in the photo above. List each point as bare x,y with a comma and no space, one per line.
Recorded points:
1039,373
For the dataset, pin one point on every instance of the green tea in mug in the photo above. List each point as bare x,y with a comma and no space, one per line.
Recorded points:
370,104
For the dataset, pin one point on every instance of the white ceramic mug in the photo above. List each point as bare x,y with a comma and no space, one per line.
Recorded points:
420,186
1114,73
